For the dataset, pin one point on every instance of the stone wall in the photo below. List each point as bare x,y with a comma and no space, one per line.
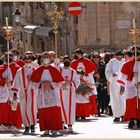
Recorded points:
106,23
100,24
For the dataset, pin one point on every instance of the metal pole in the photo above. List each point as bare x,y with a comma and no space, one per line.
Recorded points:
8,59
134,36
136,66
70,44
67,50
6,19
134,27
56,45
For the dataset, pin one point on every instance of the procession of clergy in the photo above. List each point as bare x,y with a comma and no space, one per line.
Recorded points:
43,90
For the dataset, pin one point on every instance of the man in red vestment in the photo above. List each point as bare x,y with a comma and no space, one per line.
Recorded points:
86,103
24,88
49,80
130,81
9,119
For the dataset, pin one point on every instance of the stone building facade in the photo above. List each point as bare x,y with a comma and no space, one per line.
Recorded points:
106,24
100,25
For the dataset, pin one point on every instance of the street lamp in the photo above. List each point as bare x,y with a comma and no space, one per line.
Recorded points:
56,15
67,35
17,19
17,16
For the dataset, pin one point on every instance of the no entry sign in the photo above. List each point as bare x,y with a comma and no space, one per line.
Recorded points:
75,8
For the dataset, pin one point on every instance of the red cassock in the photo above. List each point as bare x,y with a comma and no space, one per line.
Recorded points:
86,108
20,63
49,115
132,112
8,116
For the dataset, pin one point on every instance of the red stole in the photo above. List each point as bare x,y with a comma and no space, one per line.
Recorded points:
89,66
20,63
127,69
55,74
13,67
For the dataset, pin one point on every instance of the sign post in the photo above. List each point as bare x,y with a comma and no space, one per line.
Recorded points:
75,8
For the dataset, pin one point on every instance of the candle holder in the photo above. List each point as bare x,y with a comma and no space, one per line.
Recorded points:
134,35
8,32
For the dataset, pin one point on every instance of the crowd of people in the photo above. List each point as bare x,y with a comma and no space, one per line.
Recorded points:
56,92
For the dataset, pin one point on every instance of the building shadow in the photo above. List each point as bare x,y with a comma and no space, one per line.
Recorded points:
120,122
132,129
87,120
63,133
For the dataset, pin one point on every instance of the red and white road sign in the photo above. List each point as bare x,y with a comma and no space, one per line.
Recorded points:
75,8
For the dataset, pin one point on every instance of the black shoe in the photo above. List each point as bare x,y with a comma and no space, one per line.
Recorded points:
65,127
110,111
110,114
99,115
77,118
102,112
32,128
138,124
26,130
131,124
83,118
46,134
116,120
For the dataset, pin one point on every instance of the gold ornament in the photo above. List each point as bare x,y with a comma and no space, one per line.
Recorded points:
134,33
8,32
14,105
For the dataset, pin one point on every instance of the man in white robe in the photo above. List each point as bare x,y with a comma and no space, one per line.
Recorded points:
112,73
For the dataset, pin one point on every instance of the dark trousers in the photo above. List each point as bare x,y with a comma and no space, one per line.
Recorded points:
101,100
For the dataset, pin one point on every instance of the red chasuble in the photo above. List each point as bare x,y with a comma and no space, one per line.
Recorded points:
127,69
89,66
55,74
13,66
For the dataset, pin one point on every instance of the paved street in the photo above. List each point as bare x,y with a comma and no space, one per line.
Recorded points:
93,127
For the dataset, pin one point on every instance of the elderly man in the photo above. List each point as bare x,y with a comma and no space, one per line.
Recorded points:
31,54
53,60
49,80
